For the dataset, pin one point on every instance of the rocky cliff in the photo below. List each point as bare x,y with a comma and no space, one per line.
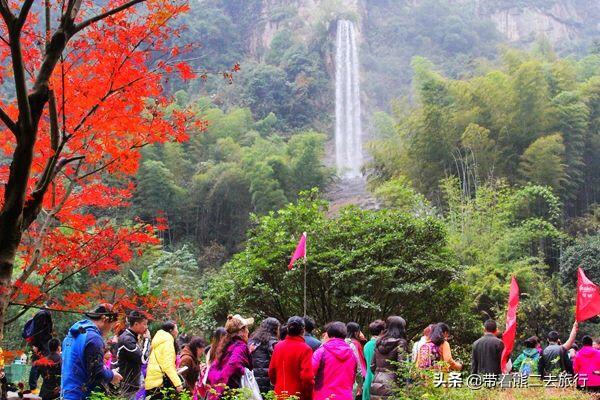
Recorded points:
517,20
558,21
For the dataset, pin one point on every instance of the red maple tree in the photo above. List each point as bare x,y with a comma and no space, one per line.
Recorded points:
81,94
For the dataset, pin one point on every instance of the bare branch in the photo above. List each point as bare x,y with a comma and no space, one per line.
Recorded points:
100,17
10,124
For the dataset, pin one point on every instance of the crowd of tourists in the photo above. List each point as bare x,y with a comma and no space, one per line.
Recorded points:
288,359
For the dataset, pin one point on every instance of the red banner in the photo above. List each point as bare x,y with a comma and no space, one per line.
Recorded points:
300,251
511,323
588,298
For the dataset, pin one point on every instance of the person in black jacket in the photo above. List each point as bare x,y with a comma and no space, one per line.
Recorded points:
487,351
42,333
261,346
49,369
555,357
133,348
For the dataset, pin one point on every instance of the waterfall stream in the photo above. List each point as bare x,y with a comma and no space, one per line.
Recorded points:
348,125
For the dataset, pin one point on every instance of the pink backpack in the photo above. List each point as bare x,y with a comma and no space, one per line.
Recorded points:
428,355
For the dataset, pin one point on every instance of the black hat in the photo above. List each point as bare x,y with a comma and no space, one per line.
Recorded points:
103,310
295,325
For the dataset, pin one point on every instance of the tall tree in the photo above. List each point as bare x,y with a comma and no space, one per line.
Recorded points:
80,76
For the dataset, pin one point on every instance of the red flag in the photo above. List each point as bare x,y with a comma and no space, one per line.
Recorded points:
300,251
588,298
511,323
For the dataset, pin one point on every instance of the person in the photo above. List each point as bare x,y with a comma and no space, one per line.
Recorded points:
390,349
290,369
573,351
231,357
217,335
424,339
527,362
42,333
486,357
538,345
597,343
132,349
82,369
375,329
261,346
309,327
191,361
283,332
555,357
334,365
439,337
162,374
49,368
3,378
587,365
357,338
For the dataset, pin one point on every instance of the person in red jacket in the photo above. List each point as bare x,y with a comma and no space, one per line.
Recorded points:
290,369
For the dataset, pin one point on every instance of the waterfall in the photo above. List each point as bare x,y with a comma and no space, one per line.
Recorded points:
348,126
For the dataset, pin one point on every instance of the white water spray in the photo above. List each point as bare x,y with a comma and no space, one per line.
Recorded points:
348,126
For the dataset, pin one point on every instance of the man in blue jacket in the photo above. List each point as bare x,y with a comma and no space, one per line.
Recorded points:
83,370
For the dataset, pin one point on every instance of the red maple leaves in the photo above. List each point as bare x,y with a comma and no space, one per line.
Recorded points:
110,103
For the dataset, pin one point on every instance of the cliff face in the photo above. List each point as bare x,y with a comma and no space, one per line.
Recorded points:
564,20
517,20
300,16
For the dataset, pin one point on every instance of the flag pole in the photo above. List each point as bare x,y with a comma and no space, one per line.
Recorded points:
304,286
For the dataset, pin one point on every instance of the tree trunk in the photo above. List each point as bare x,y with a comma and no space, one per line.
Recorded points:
9,242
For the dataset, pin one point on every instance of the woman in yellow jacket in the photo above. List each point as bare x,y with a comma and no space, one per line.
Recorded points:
162,372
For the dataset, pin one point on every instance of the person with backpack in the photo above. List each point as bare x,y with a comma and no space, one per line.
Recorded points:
428,354
587,366
527,362
334,365
83,370
440,334
487,351
290,369
357,338
132,349
417,345
390,350
555,357
49,368
37,332
261,344
375,329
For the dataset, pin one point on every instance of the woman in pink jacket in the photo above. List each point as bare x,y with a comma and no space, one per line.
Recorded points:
587,366
334,365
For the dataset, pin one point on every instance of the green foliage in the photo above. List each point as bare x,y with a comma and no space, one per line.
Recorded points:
584,253
532,120
207,187
500,232
543,162
362,265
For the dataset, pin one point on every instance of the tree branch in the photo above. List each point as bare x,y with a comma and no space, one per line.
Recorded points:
10,124
24,13
7,15
100,17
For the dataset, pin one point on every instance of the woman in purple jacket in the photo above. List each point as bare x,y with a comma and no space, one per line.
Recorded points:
231,357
